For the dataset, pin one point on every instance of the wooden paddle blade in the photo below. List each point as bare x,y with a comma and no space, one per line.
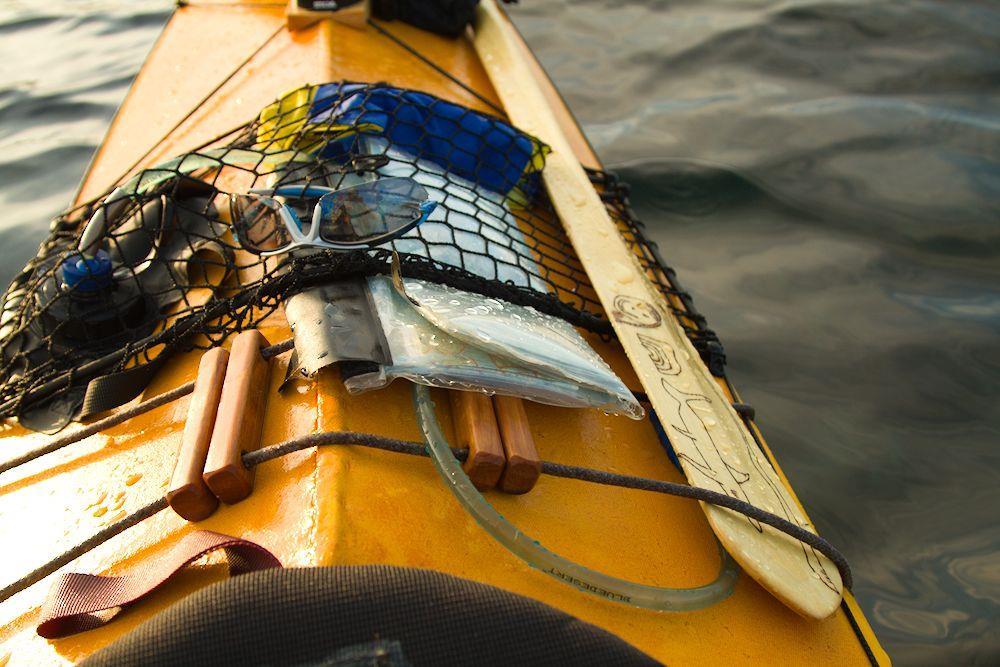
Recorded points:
714,446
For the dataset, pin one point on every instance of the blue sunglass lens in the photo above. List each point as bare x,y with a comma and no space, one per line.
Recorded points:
372,212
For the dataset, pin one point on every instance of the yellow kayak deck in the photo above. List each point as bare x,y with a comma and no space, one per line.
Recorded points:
344,505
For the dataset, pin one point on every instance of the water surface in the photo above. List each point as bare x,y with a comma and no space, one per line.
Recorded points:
826,178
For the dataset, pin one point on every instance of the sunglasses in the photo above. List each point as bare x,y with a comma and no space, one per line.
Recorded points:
360,216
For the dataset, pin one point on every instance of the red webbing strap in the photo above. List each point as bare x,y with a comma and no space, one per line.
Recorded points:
79,602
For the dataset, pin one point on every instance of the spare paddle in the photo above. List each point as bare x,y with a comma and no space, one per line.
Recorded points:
714,446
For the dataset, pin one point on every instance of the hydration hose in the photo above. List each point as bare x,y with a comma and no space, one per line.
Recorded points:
436,447
533,553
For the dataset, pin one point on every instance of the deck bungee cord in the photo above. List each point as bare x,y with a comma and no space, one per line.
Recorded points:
229,77
472,501
535,554
123,415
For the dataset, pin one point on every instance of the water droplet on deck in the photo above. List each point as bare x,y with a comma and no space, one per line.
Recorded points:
100,499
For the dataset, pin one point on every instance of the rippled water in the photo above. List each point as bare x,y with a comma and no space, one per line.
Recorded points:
826,178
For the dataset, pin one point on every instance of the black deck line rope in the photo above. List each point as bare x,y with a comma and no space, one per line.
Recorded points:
124,415
437,68
206,98
264,454
707,496
572,472
96,427
65,219
80,549
271,452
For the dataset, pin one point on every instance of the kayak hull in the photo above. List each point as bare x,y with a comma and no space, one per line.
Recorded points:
347,505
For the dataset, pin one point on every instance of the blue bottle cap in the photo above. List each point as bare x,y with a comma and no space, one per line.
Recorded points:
87,274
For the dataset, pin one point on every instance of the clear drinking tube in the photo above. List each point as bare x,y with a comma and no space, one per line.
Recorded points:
532,552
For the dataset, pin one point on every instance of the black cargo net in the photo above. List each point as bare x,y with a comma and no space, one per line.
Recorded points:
168,268
615,195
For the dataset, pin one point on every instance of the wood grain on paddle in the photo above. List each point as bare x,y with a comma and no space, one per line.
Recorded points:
714,446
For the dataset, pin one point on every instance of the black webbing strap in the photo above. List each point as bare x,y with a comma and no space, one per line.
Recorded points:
115,389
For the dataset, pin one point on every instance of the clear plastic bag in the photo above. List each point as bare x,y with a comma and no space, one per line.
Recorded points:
473,343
